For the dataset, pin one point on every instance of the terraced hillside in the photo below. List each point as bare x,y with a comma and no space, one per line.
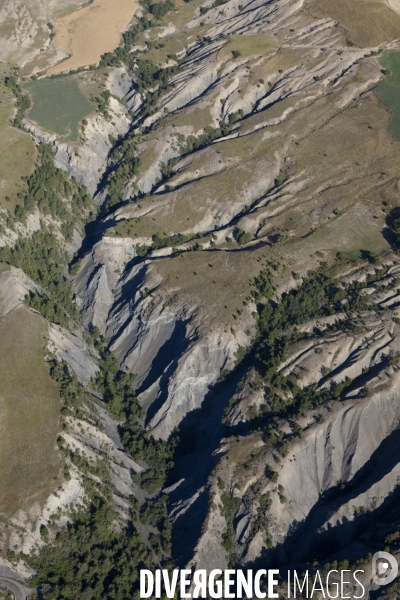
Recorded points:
223,319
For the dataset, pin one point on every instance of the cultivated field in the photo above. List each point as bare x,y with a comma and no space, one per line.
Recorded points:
29,413
58,105
88,33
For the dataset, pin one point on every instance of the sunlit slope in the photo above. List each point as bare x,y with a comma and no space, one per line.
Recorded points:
17,150
367,22
29,413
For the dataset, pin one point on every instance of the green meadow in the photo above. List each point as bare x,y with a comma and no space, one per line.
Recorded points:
389,91
58,105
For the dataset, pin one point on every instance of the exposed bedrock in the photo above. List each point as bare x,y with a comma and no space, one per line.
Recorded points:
337,452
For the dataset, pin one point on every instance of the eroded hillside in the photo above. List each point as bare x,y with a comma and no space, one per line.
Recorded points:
222,321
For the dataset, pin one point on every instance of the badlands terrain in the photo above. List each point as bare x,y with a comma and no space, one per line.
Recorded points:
200,289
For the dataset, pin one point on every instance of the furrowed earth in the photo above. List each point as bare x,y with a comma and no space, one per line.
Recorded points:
88,33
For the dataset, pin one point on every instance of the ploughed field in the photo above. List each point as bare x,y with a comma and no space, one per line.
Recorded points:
88,33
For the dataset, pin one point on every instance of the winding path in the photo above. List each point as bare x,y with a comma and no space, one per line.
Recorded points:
393,5
16,586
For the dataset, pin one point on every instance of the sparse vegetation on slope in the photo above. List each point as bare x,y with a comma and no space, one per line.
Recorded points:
369,22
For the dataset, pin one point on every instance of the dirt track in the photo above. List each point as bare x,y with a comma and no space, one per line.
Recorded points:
88,33
394,5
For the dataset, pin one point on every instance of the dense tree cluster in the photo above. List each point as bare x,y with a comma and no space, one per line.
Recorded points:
230,505
393,221
54,194
158,9
118,178
116,387
204,9
122,403
91,558
317,296
23,102
243,237
41,256
103,104
42,259
171,241
207,137
154,514
157,454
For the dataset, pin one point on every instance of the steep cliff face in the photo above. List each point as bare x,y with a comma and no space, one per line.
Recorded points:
334,486
88,166
337,471
155,334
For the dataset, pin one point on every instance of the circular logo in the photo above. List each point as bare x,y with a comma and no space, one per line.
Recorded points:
386,570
